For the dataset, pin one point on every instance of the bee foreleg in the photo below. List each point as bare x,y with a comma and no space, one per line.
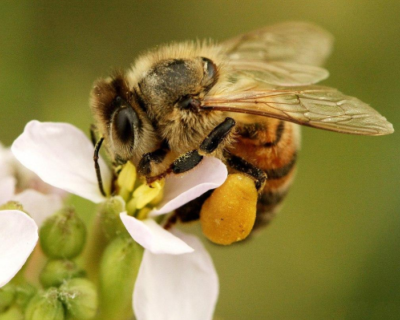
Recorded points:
156,157
184,163
192,158
243,166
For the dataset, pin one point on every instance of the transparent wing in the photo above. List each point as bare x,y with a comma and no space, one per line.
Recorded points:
297,42
314,106
277,73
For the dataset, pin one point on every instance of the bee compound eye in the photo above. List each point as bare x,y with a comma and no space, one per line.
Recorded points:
209,68
125,122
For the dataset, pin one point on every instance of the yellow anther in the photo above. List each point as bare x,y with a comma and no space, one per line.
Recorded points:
143,213
127,177
131,206
147,193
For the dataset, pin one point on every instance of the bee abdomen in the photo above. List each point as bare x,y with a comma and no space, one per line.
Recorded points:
281,172
270,145
267,206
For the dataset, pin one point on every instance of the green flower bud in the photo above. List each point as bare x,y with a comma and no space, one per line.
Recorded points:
109,217
24,293
63,235
7,296
12,205
13,313
118,271
80,298
56,272
45,305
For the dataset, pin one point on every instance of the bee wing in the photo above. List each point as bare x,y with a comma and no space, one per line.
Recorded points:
297,42
277,73
314,106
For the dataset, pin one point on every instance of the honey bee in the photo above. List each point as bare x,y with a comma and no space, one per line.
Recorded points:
240,101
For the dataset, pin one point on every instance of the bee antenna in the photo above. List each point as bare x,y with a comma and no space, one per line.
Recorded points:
93,130
97,166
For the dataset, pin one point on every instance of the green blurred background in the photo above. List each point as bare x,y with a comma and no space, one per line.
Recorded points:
334,250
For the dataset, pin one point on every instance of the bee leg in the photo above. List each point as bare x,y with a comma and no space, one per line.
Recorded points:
217,135
184,163
144,167
242,165
192,158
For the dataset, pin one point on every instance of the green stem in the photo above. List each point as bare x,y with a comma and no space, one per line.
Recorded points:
94,249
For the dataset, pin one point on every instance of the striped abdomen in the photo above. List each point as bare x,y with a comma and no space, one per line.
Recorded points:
271,145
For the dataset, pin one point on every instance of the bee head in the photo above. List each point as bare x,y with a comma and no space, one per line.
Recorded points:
120,119
172,90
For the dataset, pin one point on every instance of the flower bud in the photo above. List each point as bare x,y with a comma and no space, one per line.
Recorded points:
12,313
228,215
80,298
12,205
56,272
45,305
109,217
118,271
7,296
63,235
24,293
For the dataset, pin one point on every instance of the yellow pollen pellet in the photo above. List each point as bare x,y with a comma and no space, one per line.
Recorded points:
228,215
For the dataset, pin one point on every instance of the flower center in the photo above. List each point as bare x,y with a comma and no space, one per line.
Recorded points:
139,197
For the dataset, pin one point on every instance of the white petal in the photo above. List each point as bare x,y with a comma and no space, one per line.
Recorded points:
182,188
176,287
10,166
38,205
62,156
7,189
18,237
6,162
153,237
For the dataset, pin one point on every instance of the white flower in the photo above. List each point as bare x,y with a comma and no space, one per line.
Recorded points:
177,279
18,237
18,231
25,179
17,183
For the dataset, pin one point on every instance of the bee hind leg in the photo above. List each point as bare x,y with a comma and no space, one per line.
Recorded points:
241,165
